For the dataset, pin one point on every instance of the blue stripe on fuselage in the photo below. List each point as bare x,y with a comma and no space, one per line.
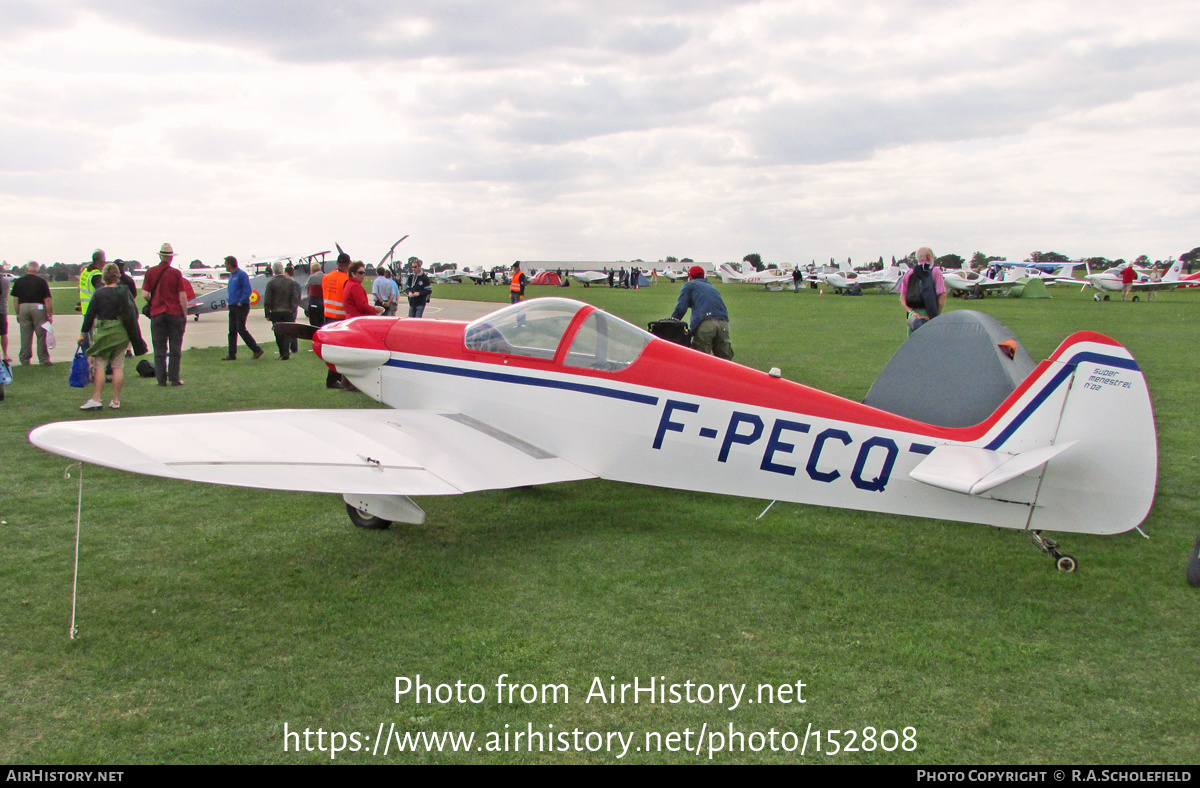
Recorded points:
646,399
525,380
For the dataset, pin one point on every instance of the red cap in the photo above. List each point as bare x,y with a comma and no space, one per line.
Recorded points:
695,272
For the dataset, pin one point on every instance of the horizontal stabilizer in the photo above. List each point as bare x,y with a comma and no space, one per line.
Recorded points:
297,330
364,452
972,470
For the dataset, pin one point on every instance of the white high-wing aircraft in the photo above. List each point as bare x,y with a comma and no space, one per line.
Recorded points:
769,279
1110,281
1048,271
480,406
885,280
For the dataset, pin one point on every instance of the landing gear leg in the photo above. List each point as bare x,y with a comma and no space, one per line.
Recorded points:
1064,562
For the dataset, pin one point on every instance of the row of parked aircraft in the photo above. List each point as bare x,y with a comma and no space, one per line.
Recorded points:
1005,276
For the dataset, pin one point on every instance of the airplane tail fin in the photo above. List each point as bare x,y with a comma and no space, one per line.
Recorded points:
1076,440
1176,272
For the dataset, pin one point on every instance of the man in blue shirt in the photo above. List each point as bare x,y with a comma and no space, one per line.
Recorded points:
710,319
239,309
386,292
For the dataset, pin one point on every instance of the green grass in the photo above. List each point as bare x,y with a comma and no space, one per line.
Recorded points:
209,617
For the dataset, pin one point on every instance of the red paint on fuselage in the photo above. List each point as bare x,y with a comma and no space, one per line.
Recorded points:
668,367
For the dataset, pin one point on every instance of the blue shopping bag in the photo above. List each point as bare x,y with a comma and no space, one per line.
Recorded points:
81,370
5,374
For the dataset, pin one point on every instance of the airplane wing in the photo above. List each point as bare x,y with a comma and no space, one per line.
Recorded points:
1162,284
363,452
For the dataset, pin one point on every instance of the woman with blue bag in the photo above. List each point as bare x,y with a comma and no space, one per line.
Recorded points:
112,319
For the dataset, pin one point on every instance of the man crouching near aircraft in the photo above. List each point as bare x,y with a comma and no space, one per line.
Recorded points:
710,319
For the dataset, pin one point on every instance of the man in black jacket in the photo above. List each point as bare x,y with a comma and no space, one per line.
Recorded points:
419,290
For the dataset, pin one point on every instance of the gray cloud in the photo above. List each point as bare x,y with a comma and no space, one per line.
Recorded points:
978,104
351,30
21,17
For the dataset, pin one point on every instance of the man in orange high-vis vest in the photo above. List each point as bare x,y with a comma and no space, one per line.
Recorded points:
516,285
332,285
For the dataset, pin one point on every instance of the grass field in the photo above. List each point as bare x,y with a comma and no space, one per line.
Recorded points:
210,617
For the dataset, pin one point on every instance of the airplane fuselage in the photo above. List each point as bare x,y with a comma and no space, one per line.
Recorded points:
678,418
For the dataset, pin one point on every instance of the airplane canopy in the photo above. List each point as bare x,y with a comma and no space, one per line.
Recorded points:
559,329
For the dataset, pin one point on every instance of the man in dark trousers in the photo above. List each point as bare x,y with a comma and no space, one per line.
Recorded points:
516,285
418,288
239,310
35,308
710,318
164,289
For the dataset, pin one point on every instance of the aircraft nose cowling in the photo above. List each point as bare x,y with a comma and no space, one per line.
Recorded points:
358,342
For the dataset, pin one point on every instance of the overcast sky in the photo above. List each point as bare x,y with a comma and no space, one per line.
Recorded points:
493,131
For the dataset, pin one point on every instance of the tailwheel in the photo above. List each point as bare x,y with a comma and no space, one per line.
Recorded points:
364,520
1062,561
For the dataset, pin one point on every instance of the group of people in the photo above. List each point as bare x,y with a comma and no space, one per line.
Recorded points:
340,295
110,328
110,325
628,277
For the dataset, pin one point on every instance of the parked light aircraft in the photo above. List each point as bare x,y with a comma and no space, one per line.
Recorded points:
965,281
1110,281
1040,270
1049,273
212,292
885,280
589,278
456,275
674,275
218,300
477,406
770,279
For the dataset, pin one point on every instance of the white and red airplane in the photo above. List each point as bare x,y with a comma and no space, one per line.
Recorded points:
771,278
1110,281
476,406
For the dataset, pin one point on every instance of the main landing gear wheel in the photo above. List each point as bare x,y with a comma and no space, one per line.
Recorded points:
364,520
1062,561
1135,298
